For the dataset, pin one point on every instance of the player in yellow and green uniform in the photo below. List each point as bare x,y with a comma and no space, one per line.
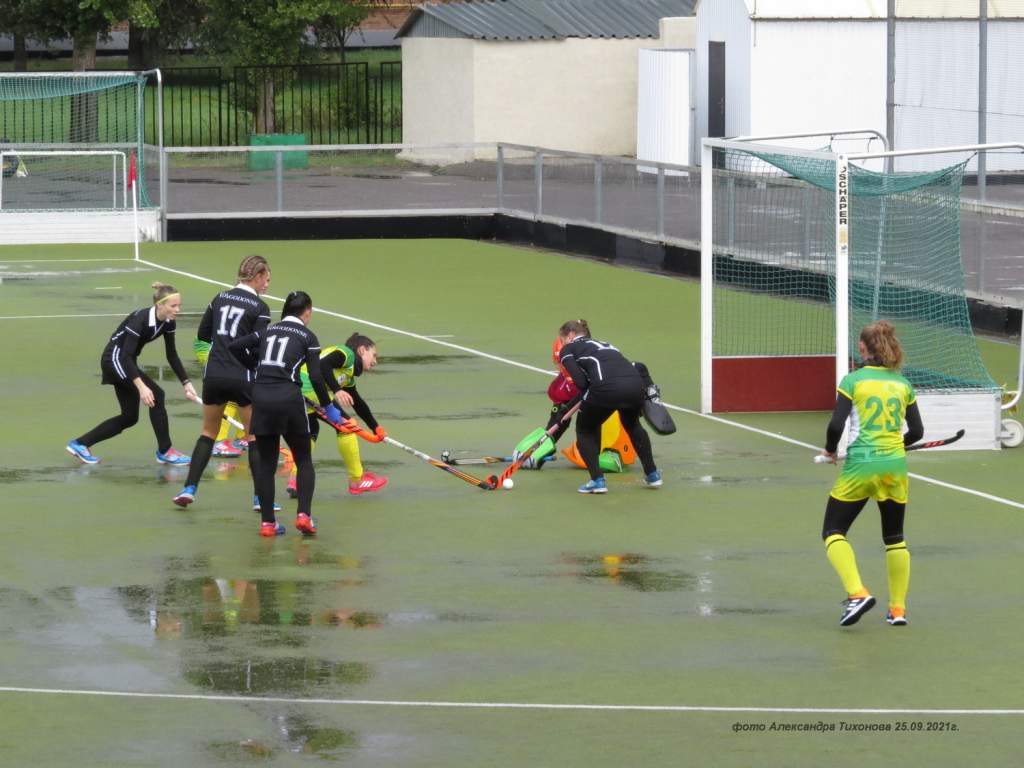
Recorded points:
224,447
342,364
877,399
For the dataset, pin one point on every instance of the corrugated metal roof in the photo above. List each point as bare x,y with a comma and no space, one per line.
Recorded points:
817,10
546,19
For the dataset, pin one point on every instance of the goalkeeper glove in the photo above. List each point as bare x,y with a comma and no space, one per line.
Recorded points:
380,432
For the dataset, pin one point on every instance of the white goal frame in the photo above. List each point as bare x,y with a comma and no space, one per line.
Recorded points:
983,408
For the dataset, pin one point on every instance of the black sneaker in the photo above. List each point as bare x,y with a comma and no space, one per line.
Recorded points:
855,608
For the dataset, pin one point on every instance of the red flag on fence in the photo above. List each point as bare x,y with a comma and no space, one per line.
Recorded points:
131,171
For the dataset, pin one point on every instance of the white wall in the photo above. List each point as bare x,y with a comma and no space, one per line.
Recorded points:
724,21
817,76
574,94
437,90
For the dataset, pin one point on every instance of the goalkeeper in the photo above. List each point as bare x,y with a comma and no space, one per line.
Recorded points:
616,448
880,400
342,364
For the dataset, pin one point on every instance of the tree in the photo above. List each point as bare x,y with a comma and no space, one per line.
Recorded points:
335,20
20,19
259,33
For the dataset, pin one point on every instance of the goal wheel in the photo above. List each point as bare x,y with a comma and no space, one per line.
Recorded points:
1012,434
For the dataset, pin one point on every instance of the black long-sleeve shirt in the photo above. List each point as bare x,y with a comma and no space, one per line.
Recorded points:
283,348
235,312
132,335
596,367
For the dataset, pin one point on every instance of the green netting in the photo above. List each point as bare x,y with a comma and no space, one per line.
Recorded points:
774,263
73,112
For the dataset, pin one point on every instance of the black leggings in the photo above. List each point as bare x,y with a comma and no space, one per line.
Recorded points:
839,516
268,447
588,436
128,399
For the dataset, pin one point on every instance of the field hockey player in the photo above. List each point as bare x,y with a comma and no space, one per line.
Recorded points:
119,368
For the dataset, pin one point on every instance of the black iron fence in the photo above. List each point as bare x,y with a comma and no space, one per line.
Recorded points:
351,103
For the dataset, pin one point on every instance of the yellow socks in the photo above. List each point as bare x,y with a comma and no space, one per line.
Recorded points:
840,554
348,447
897,564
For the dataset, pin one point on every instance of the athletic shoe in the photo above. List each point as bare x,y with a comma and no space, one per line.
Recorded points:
186,497
292,489
367,483
306,524
226,449
256,505
270,530
897,617
594,486
81,453
240,444
173,456
653,480
855,608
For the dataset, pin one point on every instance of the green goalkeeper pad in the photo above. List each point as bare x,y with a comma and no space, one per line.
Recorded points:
543,451
609,461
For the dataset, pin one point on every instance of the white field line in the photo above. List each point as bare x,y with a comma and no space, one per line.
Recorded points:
512,705
525,366
57,261
78,317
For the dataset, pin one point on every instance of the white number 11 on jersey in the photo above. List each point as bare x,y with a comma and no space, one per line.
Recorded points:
269,358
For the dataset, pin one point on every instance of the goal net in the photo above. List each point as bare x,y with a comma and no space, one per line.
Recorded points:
788,289
72,156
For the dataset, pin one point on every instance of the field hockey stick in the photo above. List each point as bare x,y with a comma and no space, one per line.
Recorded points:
482,484
498,481
936,443
446,457
819,459
321,414
233,422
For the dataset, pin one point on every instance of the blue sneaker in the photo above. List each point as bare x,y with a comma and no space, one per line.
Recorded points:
653,480
186,497
594,486
81,453
256,505
173,456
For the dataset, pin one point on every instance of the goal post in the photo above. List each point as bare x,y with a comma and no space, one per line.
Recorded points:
73,153
801,248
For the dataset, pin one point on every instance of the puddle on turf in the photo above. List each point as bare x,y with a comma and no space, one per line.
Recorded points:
292,733
633,571
722,480
469,416
292,675
214,608
421,359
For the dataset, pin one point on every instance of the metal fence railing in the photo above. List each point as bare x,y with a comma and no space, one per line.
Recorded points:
640,198
350,103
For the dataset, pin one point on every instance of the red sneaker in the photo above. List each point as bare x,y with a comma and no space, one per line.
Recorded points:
367,483
226,450
270,530
292,489
306,524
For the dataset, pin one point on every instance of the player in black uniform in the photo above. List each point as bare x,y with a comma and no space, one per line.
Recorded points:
131,386
608,383
278,407
234,313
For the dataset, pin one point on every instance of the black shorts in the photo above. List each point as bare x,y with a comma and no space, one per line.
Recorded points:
219,390
278,416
